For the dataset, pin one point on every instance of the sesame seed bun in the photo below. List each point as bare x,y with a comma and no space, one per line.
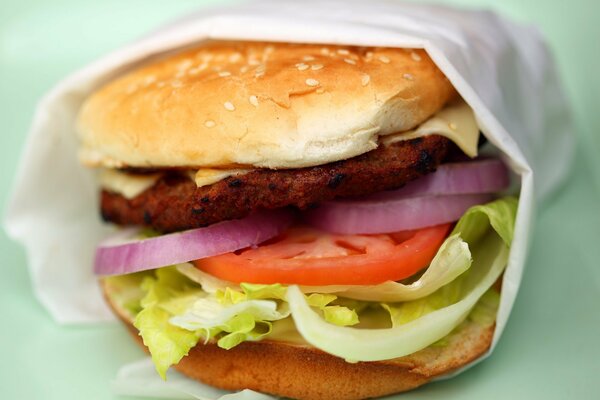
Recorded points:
259,104
304,372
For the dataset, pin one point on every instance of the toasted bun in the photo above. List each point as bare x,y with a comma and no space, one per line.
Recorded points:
304,372
259,104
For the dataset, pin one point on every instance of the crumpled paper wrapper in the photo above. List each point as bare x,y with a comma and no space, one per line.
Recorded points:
502,69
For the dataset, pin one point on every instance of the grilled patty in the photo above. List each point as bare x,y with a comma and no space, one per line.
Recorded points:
175,203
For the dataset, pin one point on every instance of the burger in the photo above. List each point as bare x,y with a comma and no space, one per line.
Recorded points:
310,221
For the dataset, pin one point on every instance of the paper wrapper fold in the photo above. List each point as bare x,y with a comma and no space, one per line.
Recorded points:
503,70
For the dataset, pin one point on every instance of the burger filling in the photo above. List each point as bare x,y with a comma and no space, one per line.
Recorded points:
370,258
398,310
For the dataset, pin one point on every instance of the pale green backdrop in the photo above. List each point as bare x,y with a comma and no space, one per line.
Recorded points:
551,347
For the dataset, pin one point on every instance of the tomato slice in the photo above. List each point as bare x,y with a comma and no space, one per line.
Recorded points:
307,256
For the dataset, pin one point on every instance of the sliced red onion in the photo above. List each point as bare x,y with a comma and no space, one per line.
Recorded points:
437,198
371,217
114,257
488,175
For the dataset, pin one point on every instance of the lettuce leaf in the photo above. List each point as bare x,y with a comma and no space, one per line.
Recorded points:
126,292
416,324
355,344
501,214
208,313
174,312
253,299
484,312
167,343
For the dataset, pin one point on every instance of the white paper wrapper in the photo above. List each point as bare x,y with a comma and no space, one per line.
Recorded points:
503,71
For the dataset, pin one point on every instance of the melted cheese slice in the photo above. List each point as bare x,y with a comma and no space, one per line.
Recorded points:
456,122
208,176
127,185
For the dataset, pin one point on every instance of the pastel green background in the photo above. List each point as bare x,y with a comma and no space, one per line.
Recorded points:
551,347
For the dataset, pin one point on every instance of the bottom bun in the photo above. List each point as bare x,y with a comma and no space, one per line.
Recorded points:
304,372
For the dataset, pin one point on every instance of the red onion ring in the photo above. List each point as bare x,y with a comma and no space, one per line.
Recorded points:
123,258
392,215
437,198
487,175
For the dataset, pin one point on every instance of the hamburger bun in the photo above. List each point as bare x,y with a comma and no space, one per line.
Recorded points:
304,372
270,105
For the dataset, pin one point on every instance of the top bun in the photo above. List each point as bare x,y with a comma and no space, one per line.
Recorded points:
272,105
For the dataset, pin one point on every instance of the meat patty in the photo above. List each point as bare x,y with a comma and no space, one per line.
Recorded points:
175,203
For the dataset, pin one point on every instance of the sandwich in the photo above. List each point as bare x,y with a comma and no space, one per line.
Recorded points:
310,221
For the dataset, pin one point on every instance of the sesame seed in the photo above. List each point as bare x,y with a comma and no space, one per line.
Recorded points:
235,57
223,74
415,56
316,67
324,51
301,66
209,123
229,106
312,82
320,90
308,58
253,62
185,64
131,88
408,77
244,69
149,80
269,49
343,52
349,61
452,126
260,71
384,59
365,79
369,55
253,100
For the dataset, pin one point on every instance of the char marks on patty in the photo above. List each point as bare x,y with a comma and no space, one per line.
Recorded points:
175,203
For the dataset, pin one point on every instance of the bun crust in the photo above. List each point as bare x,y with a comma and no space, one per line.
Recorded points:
304,372
259,104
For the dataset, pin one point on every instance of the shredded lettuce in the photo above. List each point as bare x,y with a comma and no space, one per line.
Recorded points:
251,291
227,303
235,323
174,312
126,291
166,342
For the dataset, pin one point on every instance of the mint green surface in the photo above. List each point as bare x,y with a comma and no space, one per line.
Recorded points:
550,348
